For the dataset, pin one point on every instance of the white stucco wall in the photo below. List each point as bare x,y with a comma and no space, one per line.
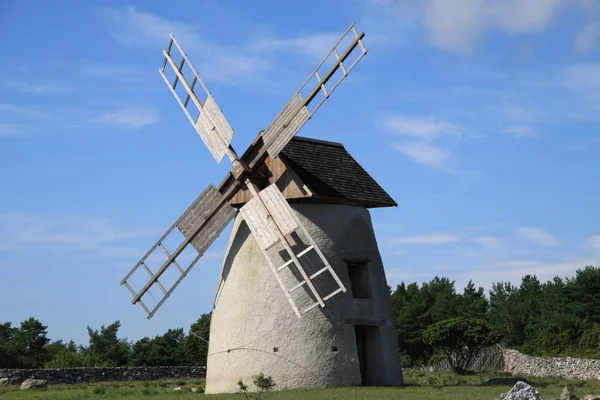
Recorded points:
252,316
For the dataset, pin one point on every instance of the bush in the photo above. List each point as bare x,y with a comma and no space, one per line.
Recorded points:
460,339
263,384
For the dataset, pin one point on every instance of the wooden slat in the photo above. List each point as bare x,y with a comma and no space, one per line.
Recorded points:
223,128
203,207
288,131
284,115
213,228
262,228
279,209
319,272
206,129
169,255
288,262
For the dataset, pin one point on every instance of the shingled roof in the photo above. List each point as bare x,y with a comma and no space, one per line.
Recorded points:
331,173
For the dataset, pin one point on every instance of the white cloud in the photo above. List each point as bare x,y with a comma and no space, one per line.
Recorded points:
538,236
132,117
426,239
456,25
424,153
426,129
421,138
132,27
229,64
462,25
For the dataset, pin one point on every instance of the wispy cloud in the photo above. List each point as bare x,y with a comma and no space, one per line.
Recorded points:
422,128
426,240
11,129
518,131
424,153
17,110
593,242
132,27
420,138
485,258
489,243
245,63
314,46
32,88
130,117
587,39
538,236
21,231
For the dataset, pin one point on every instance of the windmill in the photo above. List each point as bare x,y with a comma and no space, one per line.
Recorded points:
294,259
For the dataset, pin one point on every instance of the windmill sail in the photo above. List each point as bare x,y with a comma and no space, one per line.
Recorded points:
272,222
296,112
210,124
200,225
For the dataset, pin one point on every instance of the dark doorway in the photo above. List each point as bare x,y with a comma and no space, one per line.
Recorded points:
368,349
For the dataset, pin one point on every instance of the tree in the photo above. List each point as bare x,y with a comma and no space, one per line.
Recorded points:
196,346
166,349
106,349
64,355
472,303
416,308
30,342
8,354
460,339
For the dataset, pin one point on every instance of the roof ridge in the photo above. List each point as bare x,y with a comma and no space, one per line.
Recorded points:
318,141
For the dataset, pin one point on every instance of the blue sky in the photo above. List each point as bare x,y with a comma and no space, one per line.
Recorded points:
479,117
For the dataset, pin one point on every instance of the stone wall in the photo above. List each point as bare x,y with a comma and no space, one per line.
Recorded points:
79,375
516,363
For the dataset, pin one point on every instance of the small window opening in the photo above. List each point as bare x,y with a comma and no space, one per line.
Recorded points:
360,283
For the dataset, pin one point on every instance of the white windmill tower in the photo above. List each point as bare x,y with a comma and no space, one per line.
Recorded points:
283,306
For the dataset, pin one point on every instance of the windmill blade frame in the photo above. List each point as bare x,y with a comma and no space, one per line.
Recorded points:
272,221
203,221
211,124
296,113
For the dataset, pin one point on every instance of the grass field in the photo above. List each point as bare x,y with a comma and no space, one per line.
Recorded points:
419,386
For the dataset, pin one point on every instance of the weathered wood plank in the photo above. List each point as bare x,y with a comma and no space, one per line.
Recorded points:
213,228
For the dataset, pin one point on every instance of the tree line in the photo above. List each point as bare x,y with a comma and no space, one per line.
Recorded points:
28,346
560,317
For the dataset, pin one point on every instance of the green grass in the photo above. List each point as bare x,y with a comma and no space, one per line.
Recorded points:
419,386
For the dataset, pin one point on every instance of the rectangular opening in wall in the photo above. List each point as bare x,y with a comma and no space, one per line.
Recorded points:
360,282
368,348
